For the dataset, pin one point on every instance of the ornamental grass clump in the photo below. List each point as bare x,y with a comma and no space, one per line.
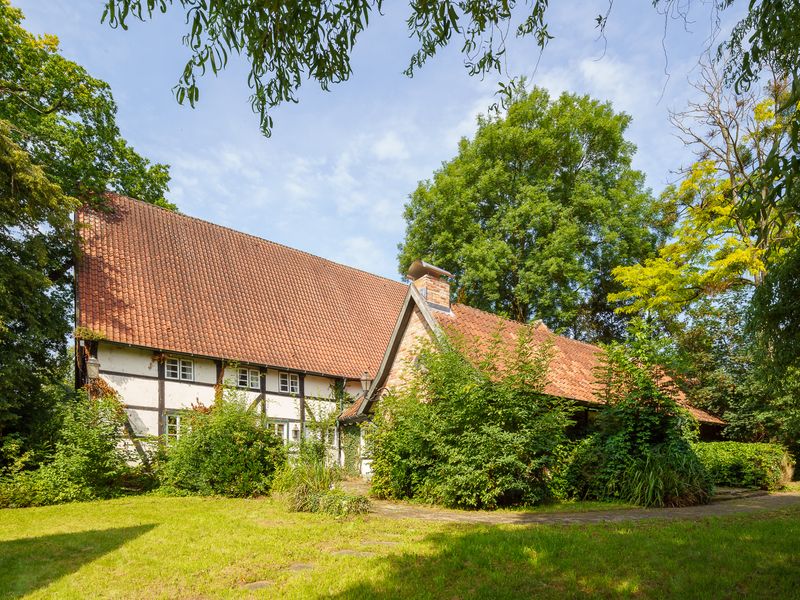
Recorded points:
310,483
641,451
473,428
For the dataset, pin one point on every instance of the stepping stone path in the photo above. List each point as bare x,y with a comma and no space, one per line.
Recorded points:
257,585
352,553
379,543
300,566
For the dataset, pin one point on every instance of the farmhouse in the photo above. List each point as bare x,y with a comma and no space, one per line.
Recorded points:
170,308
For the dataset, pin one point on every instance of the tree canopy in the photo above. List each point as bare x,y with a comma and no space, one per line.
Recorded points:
59,147
287,42
536,211
729,223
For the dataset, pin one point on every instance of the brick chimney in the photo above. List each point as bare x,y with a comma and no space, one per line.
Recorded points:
432,284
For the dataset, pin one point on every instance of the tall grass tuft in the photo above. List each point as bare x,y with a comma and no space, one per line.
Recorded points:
664,477
310,484
305,482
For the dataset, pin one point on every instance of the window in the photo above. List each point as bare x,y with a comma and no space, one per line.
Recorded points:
290,382
178,368
280,430
173,427
249,378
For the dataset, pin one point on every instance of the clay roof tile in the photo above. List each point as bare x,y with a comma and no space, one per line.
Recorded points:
153,278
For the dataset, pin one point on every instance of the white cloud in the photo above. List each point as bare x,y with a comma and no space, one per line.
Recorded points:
364,253
390,147
468,123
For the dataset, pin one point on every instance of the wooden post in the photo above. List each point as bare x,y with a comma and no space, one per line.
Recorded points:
302,406
162,400
262,379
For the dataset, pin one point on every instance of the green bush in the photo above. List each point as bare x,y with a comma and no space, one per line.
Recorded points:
303,481
309,484
225,451
640,452
338,503
669,475
739,464
89,462
472,429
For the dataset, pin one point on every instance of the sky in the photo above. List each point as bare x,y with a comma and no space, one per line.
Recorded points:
340,165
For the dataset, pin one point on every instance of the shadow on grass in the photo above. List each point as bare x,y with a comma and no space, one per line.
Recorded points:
713,558
27,564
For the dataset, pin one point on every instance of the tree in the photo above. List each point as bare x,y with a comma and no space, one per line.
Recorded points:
774,323
285,42
768,39
535,212
729,224
59,147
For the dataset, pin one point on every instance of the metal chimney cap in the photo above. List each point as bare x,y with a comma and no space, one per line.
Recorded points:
419,268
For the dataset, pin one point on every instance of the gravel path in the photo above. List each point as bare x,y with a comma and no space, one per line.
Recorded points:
770,502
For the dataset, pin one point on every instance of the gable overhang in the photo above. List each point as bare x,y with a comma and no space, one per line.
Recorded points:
412,300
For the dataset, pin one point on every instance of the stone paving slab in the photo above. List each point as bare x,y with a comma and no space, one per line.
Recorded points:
770,502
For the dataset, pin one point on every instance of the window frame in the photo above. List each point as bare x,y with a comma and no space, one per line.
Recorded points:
252,376
175,369
176,435
291,381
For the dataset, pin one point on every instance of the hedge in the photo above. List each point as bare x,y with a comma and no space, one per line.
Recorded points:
739,464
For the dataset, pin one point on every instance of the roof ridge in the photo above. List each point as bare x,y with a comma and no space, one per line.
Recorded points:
250,235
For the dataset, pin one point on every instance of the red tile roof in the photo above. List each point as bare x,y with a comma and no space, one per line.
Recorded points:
352,411
571,373
153,278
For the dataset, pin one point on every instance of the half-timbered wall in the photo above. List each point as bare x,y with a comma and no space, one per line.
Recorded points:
148,395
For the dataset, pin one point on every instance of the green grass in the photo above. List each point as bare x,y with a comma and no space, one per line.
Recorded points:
157,547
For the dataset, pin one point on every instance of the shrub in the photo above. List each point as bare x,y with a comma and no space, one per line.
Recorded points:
739,464
669,475
473,428
305,481
338,503
224,451
89,461
641,451
309,484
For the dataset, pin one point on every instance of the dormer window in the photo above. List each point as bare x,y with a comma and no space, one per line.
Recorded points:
289,383
179,368
249,378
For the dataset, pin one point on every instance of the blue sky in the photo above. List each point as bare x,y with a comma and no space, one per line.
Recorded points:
340,165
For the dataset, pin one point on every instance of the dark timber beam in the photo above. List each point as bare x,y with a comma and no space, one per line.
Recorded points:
162,402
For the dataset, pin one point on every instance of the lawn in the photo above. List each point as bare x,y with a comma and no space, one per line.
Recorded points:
150,547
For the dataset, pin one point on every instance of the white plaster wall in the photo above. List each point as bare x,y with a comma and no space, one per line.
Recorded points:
321,408
318,387
272,380
182,394
283,407
353,388
205,371
126,360
134,390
